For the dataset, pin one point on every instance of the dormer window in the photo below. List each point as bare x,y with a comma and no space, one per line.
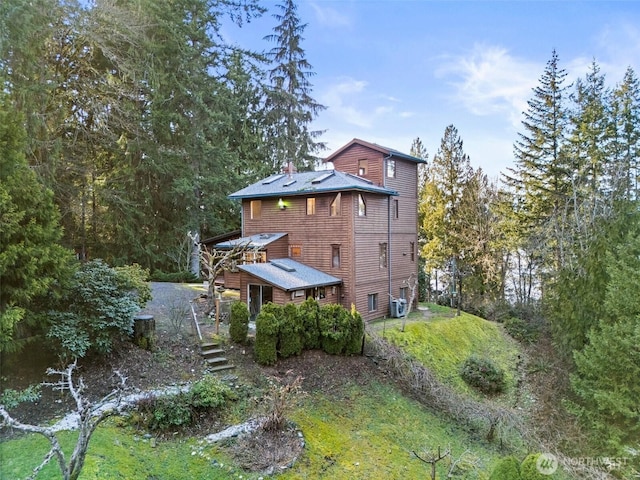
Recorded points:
391,168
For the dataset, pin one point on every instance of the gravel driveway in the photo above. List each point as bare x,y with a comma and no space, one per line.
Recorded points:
170,303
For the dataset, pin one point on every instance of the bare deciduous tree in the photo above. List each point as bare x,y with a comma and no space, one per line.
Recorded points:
89,416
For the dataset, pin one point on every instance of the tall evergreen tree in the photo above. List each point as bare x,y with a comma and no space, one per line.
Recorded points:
541,177
439,208
32,262
625,149
290,105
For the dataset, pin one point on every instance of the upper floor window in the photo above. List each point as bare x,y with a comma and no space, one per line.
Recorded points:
383,255
295,250
362,206
412,249
334,210
255,209
363,167
335,256
391,168
396,209
311,206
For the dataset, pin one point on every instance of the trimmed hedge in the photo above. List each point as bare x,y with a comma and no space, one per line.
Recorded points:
290,341
239,322
267,328
286,331
309,312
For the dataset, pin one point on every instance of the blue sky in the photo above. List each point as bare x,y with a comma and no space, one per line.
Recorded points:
392,70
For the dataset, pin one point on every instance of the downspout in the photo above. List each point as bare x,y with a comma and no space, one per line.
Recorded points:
384,184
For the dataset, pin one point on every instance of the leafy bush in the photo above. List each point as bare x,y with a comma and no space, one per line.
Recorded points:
309,311
175,411
135,280
267,327
170,411
239,322
97,309
521,330
507,468
483,374
289,338
210,392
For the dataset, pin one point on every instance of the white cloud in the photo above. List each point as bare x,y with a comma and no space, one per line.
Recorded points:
350,103
330,17
489,81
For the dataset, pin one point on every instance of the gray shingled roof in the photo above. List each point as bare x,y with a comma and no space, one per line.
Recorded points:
304,183
259,240
289,275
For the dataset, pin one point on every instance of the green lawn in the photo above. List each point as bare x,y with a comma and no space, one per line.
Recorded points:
442,342
355,432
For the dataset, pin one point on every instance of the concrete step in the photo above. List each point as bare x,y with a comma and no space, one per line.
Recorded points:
221,368
211,352
206,345
216,361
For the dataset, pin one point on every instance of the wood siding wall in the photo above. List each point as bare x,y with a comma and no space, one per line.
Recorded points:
359,238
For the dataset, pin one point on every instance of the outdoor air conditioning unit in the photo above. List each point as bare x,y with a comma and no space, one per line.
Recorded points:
398,308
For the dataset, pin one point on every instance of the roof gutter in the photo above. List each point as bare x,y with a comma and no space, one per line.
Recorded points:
384,184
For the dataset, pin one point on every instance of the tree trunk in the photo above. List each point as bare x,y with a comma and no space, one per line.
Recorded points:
144,330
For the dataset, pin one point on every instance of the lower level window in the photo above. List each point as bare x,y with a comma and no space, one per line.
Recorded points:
373,302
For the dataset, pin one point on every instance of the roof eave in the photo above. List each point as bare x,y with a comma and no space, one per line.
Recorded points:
298,193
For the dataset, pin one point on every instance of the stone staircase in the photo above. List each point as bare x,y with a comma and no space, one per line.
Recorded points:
213,355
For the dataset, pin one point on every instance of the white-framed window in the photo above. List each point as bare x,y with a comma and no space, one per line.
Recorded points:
362,206
391,168
403,292
372,302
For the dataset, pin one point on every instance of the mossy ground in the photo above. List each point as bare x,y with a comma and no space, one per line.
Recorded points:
443,341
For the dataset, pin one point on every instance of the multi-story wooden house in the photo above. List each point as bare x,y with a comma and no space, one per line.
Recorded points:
347,235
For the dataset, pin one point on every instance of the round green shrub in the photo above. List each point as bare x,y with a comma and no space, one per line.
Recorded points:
508,468
309,312
210,392
239,322
289,339
483,374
